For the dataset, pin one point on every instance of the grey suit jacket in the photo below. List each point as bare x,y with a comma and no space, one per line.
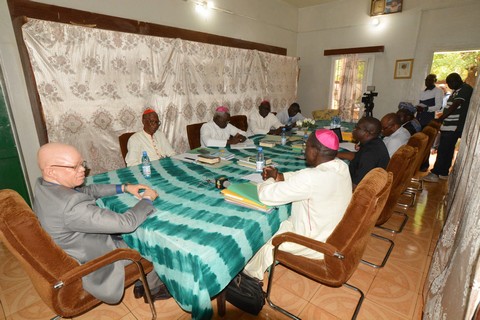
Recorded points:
83,230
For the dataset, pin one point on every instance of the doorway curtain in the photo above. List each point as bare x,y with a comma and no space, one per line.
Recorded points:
348,87
94,85
452,288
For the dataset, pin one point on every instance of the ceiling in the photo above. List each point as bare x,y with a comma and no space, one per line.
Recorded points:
306,3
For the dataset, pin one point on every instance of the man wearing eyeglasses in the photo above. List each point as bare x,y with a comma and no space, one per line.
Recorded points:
394,134
150,139
67,211
372,152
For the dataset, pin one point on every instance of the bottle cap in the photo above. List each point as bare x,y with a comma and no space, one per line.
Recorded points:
283,129
260,149
144,153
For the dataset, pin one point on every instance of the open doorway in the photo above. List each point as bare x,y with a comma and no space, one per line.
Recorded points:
465,63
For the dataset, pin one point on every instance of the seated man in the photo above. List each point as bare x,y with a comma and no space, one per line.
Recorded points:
319,194
394,134
261,121
408,121
219,132
149,139
372,151
67,211
290,116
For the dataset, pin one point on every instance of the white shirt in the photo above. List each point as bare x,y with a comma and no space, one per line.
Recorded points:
319,198
157,147
283,117
434,96
260,125
396,140
211,135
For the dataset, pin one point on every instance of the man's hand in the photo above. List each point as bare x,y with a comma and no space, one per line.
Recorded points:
150,194
275,131
238,138
134,189
272,172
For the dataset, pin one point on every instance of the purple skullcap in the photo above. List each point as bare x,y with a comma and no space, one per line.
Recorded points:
222,109
328,138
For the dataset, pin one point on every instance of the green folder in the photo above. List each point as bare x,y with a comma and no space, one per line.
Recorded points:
247,190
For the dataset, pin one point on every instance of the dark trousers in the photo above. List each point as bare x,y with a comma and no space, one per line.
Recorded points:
446,149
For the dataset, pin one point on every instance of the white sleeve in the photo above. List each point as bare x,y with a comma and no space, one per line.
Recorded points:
134,154
438,100
166,146
274,122
208,138
254,126
296,187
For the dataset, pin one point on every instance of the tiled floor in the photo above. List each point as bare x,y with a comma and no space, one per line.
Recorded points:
393,292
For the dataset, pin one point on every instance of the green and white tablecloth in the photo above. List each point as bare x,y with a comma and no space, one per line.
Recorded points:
197,241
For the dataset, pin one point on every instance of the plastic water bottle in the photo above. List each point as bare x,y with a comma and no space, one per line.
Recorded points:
284,137
146,166
260,160
304,147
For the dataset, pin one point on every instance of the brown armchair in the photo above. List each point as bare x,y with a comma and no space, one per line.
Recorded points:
345,246
419,140
193,134
397,165
56,276
123,141
239,121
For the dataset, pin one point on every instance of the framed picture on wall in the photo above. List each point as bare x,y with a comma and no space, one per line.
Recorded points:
378,7
403,69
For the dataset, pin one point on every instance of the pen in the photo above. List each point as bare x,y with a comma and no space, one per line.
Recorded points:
190,159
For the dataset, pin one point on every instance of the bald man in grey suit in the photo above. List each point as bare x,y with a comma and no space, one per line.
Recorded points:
68,212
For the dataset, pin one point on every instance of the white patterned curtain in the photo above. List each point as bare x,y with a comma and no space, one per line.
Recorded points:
453,284
94,84
348,83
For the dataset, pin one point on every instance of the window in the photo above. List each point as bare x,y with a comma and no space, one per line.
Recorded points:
362,78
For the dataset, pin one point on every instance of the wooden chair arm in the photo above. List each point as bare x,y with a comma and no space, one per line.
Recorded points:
95,264
325,248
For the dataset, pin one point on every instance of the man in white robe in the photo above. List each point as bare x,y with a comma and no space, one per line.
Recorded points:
219,132
150,139
319,195
262,121
290,116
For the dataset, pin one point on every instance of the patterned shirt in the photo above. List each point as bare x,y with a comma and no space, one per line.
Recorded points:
456,120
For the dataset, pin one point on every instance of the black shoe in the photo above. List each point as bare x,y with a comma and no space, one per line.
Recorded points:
138,291
162,294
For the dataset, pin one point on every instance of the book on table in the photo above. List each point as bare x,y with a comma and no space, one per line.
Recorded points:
251,162
223,153
267,143
245,195
205,158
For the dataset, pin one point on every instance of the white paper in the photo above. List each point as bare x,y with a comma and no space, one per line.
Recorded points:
254,177
247,144
350,146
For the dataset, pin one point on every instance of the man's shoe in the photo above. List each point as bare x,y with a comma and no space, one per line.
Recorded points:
431,177
138,291
443,177
161,294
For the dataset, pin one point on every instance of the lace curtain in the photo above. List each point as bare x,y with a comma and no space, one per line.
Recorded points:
348,83
453,283
94,84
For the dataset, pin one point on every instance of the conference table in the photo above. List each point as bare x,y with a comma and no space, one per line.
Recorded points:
196,240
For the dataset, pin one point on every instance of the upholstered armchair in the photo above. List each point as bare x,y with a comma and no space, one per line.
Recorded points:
419,140
123,141
324,114
239,121
193,135
397,165
56,276
344,247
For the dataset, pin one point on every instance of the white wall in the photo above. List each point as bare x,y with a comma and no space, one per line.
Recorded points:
270,22
424,26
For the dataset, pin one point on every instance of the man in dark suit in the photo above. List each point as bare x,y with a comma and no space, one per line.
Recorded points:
68,212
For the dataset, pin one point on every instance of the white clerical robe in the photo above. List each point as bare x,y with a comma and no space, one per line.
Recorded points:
157,147
211,135
260,125
319,199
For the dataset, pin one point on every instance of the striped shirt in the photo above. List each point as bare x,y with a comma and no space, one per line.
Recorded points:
456,120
